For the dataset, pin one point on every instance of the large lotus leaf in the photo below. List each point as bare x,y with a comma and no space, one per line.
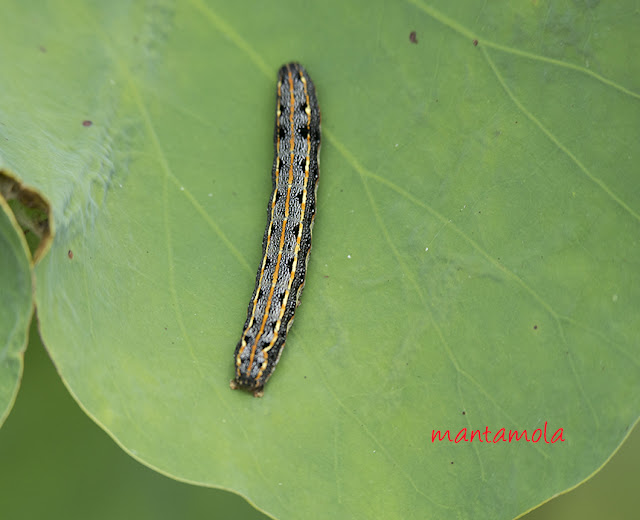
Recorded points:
475,250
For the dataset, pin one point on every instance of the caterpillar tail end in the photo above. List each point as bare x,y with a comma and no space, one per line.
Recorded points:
257,392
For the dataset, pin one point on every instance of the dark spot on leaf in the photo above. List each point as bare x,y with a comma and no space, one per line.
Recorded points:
86,122
413,37
475,43
70,254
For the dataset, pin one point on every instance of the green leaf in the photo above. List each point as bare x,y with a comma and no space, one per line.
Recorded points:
17,304
475,248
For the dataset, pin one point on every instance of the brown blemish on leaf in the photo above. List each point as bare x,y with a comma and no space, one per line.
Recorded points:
31,210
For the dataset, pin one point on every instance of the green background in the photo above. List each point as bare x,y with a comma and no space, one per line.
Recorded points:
475,253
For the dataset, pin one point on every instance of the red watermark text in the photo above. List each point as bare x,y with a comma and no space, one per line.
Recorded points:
502,435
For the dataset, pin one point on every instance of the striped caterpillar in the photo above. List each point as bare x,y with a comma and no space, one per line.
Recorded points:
287,237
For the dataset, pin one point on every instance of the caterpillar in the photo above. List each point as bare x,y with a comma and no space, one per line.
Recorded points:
287,237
